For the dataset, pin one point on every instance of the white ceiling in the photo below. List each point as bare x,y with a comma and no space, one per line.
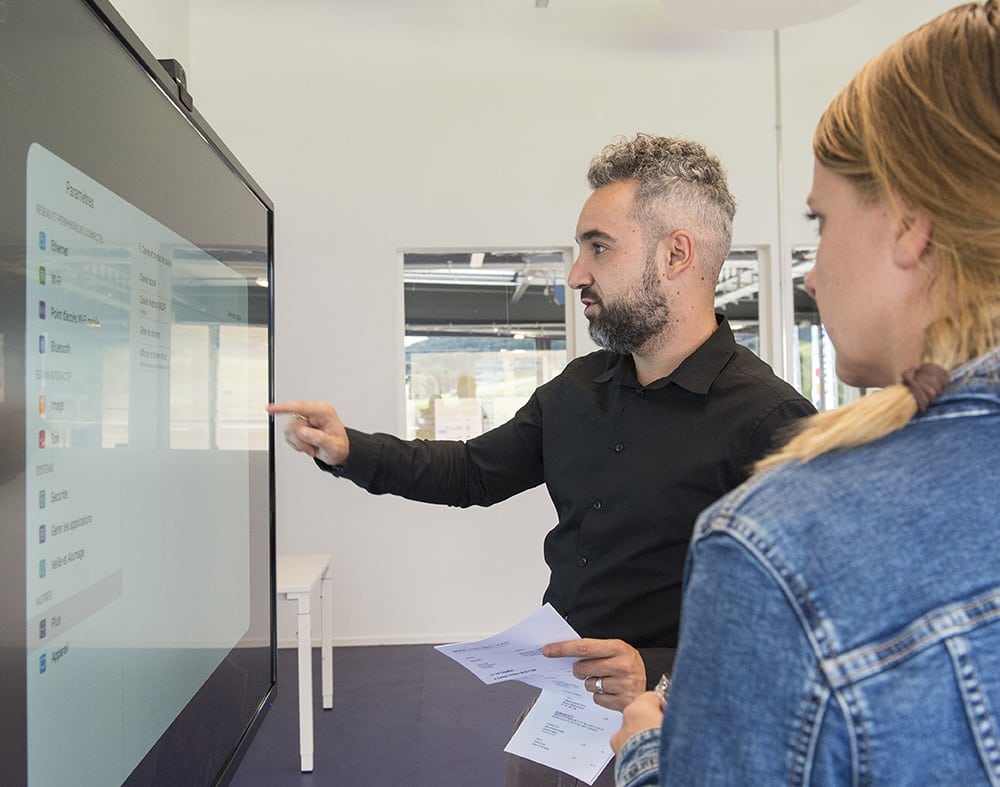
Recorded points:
751,14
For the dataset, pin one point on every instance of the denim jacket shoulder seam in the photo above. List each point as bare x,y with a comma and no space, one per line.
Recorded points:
937,625
726,522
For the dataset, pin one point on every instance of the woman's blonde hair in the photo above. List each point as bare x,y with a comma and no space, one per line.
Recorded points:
921,122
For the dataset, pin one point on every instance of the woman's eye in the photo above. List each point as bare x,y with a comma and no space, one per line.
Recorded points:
813,217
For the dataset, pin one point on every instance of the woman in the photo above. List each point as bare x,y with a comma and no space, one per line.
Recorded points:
841,619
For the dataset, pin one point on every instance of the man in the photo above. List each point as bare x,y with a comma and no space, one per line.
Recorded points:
632,441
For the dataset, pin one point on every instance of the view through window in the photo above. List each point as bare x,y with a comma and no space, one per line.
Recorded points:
737,295
483,330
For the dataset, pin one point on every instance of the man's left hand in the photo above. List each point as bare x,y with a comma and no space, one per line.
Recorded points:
610,668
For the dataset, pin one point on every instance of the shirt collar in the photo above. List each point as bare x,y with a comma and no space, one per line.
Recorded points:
696,373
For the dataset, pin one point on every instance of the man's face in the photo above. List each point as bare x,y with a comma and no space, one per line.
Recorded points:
617,273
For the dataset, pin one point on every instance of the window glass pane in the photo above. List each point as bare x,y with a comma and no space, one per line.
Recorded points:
483,330
737,295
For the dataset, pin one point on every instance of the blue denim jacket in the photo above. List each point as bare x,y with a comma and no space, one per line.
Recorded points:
841,618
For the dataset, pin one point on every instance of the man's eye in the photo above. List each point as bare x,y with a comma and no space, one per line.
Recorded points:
599,248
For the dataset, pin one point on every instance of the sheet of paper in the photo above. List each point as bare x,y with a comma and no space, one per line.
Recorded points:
565,729
516,654
567,732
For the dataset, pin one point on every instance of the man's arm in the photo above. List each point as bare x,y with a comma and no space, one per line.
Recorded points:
481,471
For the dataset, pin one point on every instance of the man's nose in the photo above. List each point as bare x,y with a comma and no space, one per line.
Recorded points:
578,277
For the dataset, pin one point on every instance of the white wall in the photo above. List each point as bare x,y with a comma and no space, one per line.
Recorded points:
163,26
389,125
816,61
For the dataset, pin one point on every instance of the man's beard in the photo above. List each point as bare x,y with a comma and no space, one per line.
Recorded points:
627,326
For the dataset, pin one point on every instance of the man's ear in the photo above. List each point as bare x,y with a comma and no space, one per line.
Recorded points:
913,235
677,251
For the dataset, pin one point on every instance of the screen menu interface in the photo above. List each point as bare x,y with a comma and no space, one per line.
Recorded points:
137,541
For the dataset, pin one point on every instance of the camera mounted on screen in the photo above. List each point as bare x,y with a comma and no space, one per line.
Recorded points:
176,72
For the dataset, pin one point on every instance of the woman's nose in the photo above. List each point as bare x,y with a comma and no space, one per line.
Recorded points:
808,284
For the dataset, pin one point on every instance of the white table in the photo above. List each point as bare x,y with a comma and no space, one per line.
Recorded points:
297,576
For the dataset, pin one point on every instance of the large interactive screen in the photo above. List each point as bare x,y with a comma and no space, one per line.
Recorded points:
136,552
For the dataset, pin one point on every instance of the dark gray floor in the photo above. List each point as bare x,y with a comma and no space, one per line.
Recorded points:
403,715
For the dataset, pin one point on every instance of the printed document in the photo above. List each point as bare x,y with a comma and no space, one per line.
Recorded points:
565,728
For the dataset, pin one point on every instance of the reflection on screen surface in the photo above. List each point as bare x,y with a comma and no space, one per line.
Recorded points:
112,305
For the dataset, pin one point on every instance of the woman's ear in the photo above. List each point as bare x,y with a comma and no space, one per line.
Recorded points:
913,236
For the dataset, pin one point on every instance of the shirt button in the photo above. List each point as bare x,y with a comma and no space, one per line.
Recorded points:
619,447
583,561
598,505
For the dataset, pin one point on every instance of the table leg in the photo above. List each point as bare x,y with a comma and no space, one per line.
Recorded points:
326,603
305,683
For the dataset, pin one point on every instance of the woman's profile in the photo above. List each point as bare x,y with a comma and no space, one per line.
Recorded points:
841,618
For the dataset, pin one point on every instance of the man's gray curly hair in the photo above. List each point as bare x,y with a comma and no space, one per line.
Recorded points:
679,185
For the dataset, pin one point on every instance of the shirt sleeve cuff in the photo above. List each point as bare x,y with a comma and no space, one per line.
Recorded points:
361,461
337,470
638,762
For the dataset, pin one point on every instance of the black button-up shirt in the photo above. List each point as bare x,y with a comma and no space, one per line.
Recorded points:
628,467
